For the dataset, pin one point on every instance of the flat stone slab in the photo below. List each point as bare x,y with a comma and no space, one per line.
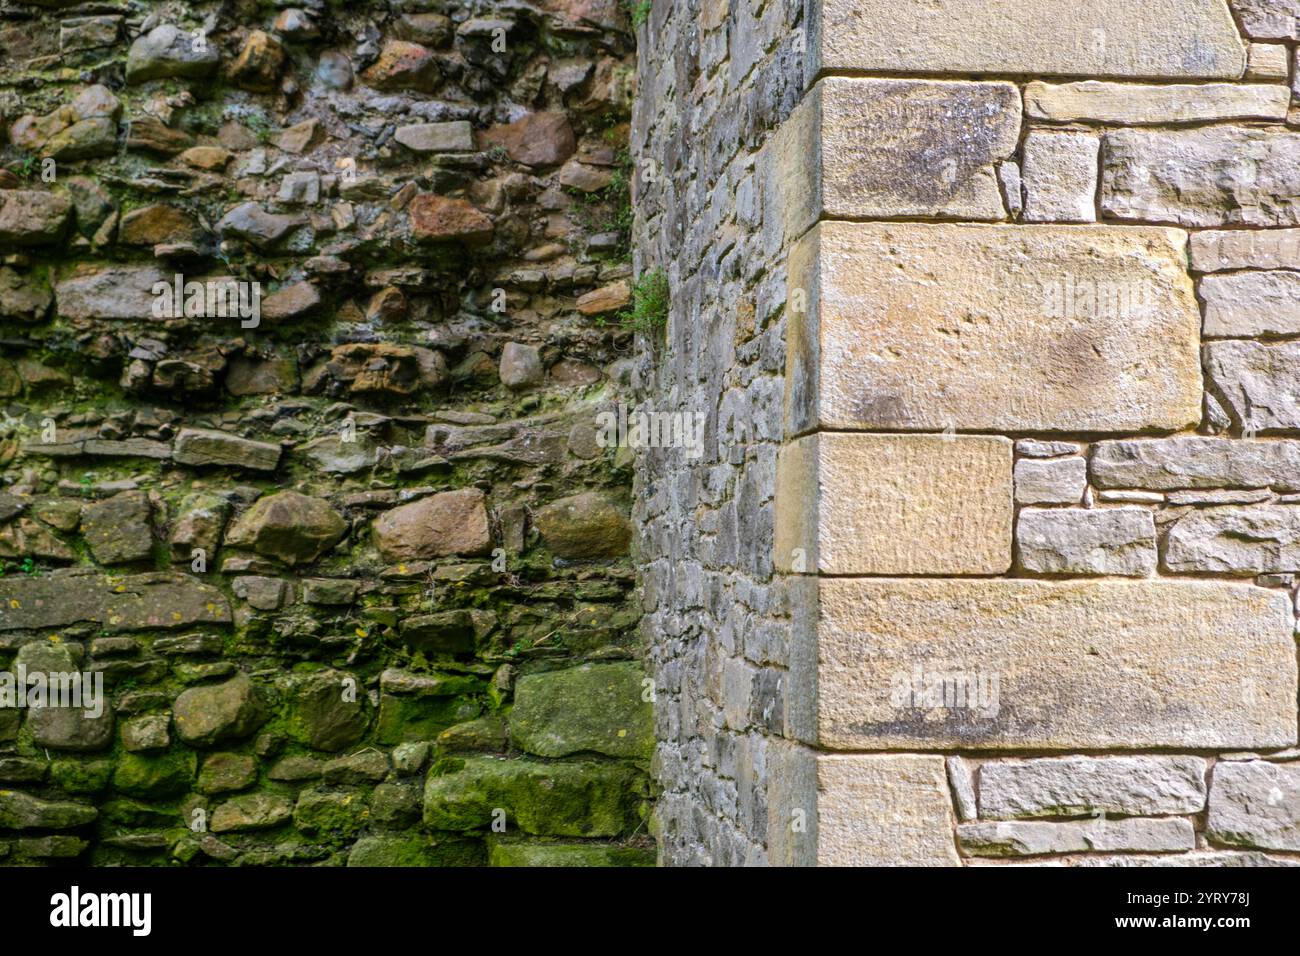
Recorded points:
1252,303
867,148
1133,104
1168,464
1083,786
894,504
921,327
1217,250
1146,39
1075,541
1255,803
884,811
1036,838
1009,664
1235,539
131,602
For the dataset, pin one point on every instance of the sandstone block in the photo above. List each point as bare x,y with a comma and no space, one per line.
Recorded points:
1166,464
1059,174
1078,786
1141,39
1119,541
1021,664
894,504
1255,803
1134,104
1045,328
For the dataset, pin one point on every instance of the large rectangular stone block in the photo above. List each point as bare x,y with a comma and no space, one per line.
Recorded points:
1084,786
894,504
935,664
1130,104
1102,38
927,327
867,148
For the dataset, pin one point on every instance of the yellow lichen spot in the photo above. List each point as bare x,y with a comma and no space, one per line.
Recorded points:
13,602
622,733
120,588
361,632
54,638
176,615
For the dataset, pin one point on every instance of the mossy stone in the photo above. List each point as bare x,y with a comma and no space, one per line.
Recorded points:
594,708
416,850
504,853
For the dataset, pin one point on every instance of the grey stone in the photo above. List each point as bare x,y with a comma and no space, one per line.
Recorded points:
1166,464
253,224
1255,804
1259,383
118,529
1035,448
289,526
120,292
1240,539
21,811
963,788
1119,541
1252,303
132,603
594,707
1105,836
254,811
1075,786
1269,19
204,447
1059,172
1200,177
1217,251
1052,481
453,137
32,218
142,734
168,51
521,365
213,713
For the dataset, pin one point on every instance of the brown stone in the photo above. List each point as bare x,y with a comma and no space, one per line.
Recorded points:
439,218
609,298
539,139
453,522
258,65
159,223
403,66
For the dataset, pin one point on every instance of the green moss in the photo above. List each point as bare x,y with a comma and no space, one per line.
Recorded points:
154,777
514,853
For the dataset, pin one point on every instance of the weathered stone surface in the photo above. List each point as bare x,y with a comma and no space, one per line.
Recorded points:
453,522
894,504
1119,541
1133,104
72,728
292,301
1258,383
204,447
154,777
257,67
1217,251
885,148
1079,786
1269,19
1255,803
22,811
227,772
253,811
26,298
453,137
118,530
1051,481
415,850
1059,173
167,51
213,713
32,218
326,711
1058,665
1235,539
156,600
1116,38
561,799
293,527
521,365
883,811
583,527
1165,464
253,224
538,139
912,326
594,708
1252,303
403,66
1182,176
440,218
124,292
1104,836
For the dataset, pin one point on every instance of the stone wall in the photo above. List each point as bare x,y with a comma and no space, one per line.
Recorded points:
991,551
353,567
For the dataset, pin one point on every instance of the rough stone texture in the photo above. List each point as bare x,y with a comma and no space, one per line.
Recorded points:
1252,303
1257,382
1235,540
884,811
599,708
1118,541
215,713
894,504
1103,836
1078,665
1216,251
1132,104
154,600
1269,19
915,326
1085,786
454,522
1113,38
1169,463
289,526
1255,804
1177,176
1052,481
1059,173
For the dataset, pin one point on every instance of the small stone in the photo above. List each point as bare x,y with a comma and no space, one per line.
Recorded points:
209,158
142,734
292,527
1118,541
203,447
32,218
1251,304
1269,19
21,811
1219,251
300,137
227,773
438,219
1104,836
333,71
1132,104
453,522
215,713
292,301
156,777
1052,481
265,594
1258,382
584,527
584,178
368,766
963,788
1255,804
250,222
326,710
1235,539
1034,448
1174,463
521,365
453,137
257,67
118,530
155,224
593,707
1267,61
403,66
255,811
1059,173
149,134
169,52
300,188
610,298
